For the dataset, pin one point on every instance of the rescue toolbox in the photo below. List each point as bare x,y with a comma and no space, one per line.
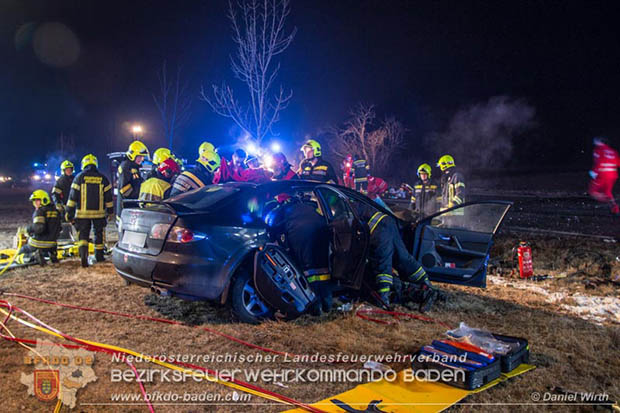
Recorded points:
475,366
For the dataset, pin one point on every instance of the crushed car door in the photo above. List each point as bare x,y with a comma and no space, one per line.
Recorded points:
453,245
349,243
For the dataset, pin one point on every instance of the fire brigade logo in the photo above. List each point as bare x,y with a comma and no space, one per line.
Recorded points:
46,384
58,372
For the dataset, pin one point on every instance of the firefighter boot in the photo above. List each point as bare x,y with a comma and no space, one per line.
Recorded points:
84,255
54,256
39,257
429,295
99,256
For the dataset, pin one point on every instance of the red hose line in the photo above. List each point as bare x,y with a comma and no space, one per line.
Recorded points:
241,383
155,319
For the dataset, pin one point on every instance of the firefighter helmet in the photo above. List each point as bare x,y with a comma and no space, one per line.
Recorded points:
41,195
89,159
66,164
316,147
137,148
169,168
161,155
210,160
424,168
205,146
445,162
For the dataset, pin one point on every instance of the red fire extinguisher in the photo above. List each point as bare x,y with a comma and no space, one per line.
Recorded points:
526,267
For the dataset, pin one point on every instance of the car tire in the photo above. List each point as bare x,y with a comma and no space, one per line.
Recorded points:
245,301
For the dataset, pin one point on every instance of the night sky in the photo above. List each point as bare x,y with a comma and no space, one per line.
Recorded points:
421,61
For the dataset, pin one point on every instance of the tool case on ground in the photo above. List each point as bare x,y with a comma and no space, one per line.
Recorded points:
516,357
471,380
470,369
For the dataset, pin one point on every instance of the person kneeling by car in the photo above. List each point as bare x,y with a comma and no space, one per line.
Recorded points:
43,231
303,231
386,251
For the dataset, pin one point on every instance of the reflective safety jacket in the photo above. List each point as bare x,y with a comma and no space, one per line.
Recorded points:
452,188
361,171
129,179
425,198
305,234
62,187
321,171
45,227
606,160
195,178
90,196
155,189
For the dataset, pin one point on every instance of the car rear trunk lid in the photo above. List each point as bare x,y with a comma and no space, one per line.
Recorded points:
145,230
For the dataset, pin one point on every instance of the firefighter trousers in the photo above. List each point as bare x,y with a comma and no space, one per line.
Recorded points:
27,253
601,189
387,250
83,227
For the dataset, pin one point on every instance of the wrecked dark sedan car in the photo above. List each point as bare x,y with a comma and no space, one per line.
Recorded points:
213,244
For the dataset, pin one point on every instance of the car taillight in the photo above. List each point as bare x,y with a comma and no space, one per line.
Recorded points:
184,235
159,231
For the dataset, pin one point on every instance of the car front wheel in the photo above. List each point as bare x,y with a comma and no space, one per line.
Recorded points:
246,303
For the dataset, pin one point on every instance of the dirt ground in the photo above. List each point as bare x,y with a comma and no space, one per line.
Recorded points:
571,321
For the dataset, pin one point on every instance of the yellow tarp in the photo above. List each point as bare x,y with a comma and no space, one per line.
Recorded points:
406,397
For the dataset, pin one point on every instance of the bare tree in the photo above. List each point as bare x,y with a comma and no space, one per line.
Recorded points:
173,102
259,33
66,143
361,137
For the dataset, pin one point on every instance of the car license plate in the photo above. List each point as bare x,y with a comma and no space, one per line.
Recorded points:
135,239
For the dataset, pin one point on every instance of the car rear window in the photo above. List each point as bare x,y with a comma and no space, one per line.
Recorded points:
204,198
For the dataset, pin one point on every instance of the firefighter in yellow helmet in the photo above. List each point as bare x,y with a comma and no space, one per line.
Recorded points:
452,183
43,231
128,178
200,175
90,202
60,192
314,167
425,192
158,187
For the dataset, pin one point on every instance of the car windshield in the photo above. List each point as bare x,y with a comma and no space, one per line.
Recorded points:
203,198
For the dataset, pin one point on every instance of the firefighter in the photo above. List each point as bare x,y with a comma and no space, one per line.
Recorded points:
452,183
200,175
386,251
314,167
90,202
60,192
361,172
604,173
305,234
425,192
347,172
43,231
282,169
158,187
129,179
160,155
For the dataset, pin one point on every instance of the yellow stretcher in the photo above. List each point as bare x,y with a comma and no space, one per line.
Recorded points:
404,396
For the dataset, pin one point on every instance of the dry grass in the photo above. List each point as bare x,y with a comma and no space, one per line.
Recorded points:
570,352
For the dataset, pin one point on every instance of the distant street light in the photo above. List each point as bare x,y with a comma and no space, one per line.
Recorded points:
137,131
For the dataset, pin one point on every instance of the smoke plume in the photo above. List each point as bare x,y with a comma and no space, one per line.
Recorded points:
483,135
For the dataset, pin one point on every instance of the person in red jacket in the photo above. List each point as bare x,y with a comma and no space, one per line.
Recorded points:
604,173
347,172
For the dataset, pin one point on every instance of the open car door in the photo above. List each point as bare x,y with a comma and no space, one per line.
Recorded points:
349,242
453,245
